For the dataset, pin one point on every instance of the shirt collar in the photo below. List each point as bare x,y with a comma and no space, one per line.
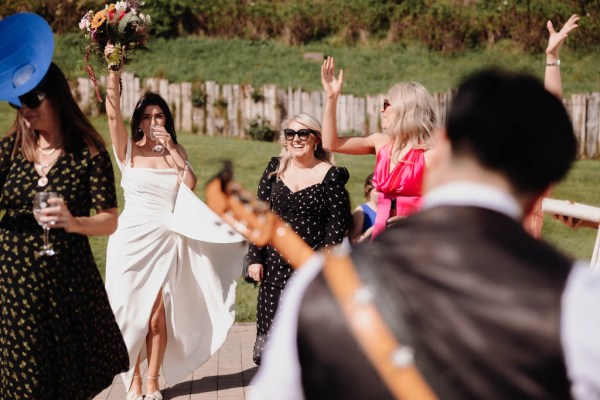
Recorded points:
473,194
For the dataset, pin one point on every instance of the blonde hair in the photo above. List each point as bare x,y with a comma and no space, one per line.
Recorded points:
285,157
415,115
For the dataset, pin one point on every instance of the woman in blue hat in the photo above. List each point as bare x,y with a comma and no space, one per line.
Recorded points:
58,335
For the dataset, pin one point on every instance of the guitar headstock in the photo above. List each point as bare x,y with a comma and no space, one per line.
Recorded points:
240,208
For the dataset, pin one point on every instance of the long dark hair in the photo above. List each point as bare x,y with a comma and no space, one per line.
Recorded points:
76,129
151,99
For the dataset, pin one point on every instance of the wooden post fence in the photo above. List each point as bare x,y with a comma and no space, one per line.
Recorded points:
228,109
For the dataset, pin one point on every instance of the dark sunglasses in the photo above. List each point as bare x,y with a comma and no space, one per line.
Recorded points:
303,134
386,104
31,99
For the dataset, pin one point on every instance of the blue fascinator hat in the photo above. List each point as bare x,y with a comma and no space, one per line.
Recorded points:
26,51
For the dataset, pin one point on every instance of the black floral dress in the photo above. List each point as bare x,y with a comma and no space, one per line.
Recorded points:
320,214
58,335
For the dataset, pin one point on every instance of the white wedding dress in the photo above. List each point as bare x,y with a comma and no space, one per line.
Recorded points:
168,238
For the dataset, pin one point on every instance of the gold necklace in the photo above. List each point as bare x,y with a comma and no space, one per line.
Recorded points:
43,179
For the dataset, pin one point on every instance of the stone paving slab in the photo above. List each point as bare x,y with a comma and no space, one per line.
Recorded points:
225,376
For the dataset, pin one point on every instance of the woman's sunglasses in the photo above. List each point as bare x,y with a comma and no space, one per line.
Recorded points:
386,104
303,134
31,99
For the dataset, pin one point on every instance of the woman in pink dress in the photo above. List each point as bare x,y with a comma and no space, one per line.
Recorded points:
407,119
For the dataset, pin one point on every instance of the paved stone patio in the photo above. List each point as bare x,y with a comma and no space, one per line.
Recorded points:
225,376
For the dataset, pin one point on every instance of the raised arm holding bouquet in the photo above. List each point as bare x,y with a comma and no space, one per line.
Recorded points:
121,24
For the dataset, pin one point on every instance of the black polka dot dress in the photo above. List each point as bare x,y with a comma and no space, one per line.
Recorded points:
58,335
320,214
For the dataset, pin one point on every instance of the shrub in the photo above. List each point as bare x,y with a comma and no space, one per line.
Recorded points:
199,95
450,26
258,129
257,95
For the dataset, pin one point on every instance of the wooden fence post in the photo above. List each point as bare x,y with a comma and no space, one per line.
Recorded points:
237,125
229,111
578,112
174,102
212,94
85,96
186,106
373,107
592,129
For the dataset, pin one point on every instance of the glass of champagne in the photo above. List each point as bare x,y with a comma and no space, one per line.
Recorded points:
40,201
158,148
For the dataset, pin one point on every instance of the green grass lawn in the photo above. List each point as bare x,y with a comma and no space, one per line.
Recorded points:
250,158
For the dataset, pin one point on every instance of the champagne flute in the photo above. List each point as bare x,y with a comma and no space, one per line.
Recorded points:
158,148
40,201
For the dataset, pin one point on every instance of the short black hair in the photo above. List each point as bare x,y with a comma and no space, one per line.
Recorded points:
511,124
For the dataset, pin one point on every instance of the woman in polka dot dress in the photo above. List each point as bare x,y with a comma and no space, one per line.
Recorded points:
308,193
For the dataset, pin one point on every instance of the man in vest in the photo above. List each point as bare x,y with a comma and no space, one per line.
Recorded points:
488,311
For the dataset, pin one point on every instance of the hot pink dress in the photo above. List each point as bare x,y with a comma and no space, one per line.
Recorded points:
403,183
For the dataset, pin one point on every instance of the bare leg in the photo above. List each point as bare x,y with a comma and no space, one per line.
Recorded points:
156,343
136,382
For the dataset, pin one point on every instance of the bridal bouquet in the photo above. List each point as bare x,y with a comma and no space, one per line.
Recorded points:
122,24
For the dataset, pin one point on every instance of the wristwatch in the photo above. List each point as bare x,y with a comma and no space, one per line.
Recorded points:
554,64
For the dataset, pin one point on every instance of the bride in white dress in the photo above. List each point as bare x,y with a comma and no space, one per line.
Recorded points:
170,276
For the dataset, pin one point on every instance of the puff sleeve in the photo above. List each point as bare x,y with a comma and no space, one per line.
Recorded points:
340,216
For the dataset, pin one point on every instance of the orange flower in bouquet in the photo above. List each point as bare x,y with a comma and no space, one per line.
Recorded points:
121,24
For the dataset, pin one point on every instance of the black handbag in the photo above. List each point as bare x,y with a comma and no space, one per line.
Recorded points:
245,274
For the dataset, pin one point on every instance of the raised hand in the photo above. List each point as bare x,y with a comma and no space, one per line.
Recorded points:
112,58
331,85
108,50
556,39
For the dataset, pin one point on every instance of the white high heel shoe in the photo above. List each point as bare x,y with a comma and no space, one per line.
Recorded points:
156,395
131,395
134,396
